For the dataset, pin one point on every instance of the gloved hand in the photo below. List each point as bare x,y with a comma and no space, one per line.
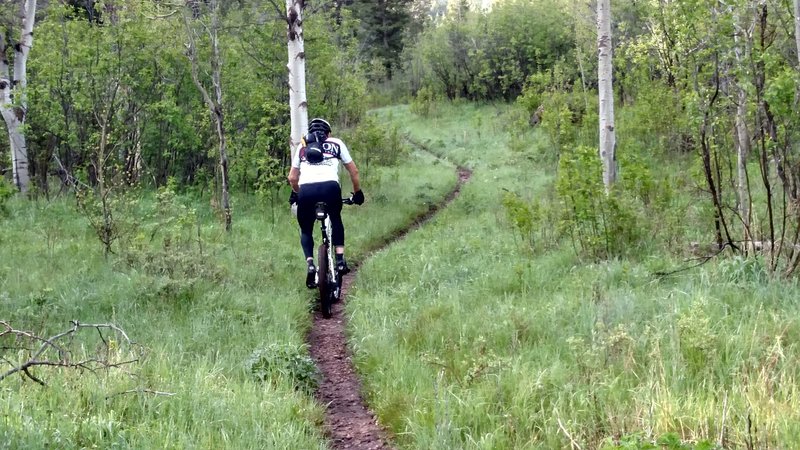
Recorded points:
293,198
358,197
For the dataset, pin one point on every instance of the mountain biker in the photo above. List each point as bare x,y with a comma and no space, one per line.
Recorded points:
314,177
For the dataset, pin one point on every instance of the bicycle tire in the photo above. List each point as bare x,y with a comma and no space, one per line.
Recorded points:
323,282
337,293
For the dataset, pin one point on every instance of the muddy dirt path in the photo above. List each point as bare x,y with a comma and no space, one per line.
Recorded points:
349,424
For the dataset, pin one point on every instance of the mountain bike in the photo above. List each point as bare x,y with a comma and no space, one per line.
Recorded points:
329,280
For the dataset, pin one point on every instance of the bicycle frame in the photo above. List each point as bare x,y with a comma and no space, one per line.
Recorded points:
327,237
329,280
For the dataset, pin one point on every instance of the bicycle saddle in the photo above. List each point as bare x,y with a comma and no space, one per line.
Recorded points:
321,213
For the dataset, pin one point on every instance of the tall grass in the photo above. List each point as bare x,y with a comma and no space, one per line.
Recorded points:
466,339
197,314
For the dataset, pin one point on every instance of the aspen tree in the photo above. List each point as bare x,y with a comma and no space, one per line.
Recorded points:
606,93
298,105
13,101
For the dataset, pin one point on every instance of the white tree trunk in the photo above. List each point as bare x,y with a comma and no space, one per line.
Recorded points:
742,39
13,110
797,29
606,91
298,105
742,150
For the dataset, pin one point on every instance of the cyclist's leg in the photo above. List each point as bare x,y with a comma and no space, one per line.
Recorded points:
305,218
306,215
333,196
307,200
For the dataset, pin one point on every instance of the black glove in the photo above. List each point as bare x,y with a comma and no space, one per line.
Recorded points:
358,197
293,198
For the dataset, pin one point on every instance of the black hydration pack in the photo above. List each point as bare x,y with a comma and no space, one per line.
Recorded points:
313,150
316,149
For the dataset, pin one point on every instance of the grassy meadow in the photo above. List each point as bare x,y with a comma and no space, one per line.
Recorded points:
468,339
200,305
466,336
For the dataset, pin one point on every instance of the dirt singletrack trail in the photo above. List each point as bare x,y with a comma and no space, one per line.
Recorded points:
349,424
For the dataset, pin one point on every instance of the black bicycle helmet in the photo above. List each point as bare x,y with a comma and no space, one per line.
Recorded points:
319,125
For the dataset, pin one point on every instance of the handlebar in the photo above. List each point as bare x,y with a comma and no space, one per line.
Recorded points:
348,200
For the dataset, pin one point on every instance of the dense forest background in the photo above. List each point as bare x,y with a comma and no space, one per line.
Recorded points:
110,90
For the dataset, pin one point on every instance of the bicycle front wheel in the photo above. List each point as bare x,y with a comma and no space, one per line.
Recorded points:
324,282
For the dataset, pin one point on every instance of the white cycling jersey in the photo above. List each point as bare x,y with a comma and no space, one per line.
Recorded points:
333,150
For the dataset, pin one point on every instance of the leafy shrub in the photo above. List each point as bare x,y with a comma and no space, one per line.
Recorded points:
110,213
698,341
656,120
424,102
566,117
177,253
668,441
7,191
601,224
375,143
530,219
533,94
284,361
270,182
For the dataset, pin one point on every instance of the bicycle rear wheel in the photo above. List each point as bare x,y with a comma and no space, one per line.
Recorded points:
337,291
324,282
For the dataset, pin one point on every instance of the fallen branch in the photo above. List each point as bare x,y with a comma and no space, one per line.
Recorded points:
703,260
39,357
141,391
573,443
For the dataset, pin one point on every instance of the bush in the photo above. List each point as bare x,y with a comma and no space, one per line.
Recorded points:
284,361
562,108
168,242
601,224
376,144
424,102
530,219
656,120
7,190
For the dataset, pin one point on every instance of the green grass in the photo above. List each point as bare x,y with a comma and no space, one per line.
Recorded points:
467,340
196,316
466,337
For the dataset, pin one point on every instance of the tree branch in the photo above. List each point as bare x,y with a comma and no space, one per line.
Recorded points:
141,391
35,359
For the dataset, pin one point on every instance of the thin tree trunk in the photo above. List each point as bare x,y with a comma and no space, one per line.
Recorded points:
579,57
766,123
606,91
708,166
742,46
742,151
15,114
215,105
797,29
133,158
298,105
216,77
